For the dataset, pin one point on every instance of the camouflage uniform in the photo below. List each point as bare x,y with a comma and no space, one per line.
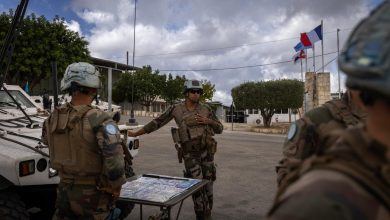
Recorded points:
351,181
316,131
86,149
198,149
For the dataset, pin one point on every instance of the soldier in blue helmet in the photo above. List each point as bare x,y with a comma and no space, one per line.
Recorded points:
197,124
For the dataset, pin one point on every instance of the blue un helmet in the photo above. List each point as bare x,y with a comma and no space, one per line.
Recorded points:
83,74
192,85
366,56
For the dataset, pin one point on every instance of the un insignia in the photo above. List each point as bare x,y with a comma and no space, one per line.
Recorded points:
111,129
292,131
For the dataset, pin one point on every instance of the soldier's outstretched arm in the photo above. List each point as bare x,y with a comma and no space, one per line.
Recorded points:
155,124
139,132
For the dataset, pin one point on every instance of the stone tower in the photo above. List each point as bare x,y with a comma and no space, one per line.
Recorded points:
317,89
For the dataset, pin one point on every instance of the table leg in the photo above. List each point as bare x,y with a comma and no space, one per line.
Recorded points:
178,211
140,214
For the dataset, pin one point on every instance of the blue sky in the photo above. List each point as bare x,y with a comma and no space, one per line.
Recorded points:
190,37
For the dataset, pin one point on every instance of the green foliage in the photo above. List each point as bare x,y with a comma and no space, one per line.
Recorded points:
268,96
149,85
173,89
38,43
208,91
122,88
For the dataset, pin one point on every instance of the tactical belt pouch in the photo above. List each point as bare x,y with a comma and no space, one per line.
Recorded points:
192,146
196,132
211,145
183,134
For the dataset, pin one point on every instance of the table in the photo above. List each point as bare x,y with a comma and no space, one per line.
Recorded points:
160,190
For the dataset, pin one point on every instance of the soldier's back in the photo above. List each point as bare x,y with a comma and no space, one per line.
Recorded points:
350,181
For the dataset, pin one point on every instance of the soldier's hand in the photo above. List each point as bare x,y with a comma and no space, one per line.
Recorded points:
202,120
131,133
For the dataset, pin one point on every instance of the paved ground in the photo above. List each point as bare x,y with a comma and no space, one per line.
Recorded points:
245,184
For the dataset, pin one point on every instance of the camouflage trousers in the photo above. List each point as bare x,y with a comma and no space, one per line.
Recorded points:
200,165
76,201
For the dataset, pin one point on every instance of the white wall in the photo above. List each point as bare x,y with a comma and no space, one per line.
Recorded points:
281,118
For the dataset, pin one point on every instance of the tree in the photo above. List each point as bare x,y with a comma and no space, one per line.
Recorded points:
121,90
148,85
38,43
173,89
208,91
269,96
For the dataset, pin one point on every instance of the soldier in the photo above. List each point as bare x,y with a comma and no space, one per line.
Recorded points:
86,149
351,180
318,129
197,124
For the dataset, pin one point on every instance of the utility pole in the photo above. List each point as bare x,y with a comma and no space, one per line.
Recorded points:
132,119
338,53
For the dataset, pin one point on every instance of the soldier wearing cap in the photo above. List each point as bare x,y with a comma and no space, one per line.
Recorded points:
351,180
86,149
197,125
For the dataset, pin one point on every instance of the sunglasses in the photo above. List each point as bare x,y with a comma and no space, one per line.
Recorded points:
196,91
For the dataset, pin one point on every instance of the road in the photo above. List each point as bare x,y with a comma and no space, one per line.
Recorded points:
246,180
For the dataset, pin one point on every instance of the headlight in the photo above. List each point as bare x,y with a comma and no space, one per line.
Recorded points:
41,165
52,172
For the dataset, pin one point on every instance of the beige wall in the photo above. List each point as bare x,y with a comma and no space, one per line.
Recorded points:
317,88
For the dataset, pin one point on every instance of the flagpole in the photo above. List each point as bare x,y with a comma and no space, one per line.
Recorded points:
304,96
314,59
322,45
338,53
306,60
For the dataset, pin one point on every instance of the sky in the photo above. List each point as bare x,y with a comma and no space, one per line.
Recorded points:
228,42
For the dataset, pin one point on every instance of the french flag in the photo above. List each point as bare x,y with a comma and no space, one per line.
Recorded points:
308,39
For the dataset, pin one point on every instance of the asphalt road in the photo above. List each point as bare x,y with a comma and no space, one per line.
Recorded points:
246,180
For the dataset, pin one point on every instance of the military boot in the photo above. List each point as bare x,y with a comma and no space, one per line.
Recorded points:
200,216
207,216
203,216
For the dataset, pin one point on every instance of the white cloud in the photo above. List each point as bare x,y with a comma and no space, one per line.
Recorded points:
74,26
173,26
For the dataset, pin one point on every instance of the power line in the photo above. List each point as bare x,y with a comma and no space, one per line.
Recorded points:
327,63
228,47
239,67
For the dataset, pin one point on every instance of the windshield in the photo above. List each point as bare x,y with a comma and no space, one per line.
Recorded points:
6,102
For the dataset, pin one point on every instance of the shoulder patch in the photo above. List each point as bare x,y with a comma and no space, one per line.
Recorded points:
292,131
111,129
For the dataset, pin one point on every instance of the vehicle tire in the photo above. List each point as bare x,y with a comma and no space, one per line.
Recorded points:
11,207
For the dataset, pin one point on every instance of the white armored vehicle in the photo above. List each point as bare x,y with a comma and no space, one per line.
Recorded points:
27,183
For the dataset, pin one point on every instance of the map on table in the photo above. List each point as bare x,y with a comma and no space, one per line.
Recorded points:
156,188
